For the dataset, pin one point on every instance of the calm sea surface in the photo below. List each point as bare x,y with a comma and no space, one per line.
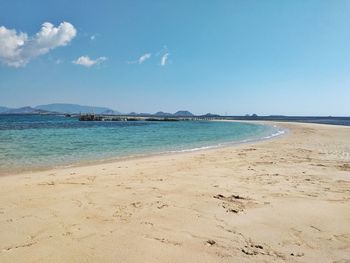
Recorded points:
31,141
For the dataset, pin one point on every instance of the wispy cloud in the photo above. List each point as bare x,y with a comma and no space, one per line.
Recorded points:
163,54
144,57
86,61
141,59
93,37
17,49
164,59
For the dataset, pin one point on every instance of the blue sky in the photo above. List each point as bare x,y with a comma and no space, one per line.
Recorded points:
226,56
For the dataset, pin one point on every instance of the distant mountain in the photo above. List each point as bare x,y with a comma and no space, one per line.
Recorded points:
63,108
4,109
25,110
75,108
162,114
183,113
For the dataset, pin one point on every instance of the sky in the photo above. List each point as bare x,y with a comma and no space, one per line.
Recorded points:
232,57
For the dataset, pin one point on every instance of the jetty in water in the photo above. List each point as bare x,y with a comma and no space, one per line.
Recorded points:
95,117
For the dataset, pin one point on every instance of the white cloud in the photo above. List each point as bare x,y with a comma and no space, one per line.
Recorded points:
86,61
17,49
92,37
144,57
141,59
164,59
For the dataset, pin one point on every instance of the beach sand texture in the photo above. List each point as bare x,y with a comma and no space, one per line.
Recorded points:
280,200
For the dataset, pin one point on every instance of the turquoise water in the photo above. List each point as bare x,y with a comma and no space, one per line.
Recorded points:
32,142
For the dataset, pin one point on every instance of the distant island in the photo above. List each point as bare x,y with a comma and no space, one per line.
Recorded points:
58,108
65,108
76,109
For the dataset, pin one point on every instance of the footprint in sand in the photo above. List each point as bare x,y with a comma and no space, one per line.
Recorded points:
165,241
234,203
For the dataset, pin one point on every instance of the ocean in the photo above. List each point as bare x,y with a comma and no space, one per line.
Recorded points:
30,142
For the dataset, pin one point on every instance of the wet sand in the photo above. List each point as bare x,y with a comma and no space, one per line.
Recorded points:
280,200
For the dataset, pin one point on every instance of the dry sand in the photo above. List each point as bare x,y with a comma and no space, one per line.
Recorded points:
282,200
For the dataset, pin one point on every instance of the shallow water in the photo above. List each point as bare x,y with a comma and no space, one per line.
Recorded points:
32,141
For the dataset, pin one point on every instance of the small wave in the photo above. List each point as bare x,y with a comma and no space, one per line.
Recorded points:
275,134
278,133
196,149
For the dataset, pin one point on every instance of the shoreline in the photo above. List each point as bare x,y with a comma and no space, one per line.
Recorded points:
284,199
91,163
155,154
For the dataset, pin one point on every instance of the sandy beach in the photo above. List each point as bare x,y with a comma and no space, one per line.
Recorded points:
280,200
